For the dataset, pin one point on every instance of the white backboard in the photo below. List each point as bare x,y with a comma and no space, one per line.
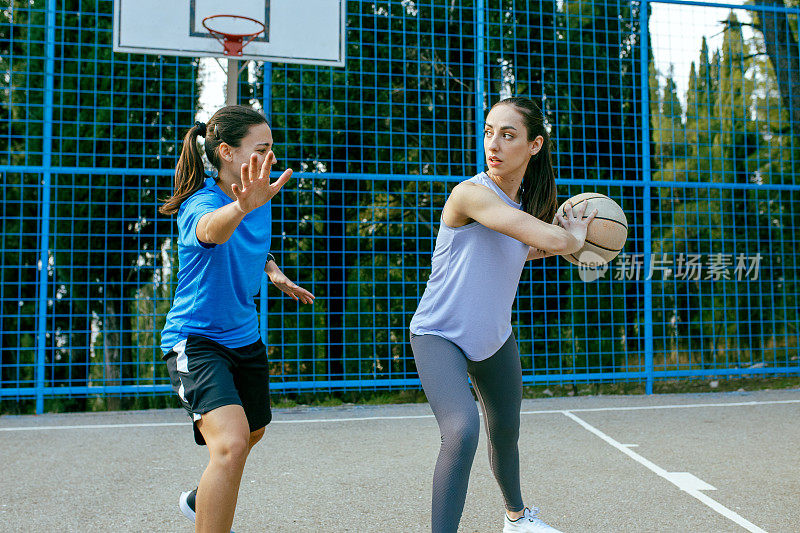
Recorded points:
297,31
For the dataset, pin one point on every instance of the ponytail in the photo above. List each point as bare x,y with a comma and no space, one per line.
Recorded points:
539,185
538,189
190,174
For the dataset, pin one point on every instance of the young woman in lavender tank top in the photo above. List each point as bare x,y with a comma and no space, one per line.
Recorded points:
491,225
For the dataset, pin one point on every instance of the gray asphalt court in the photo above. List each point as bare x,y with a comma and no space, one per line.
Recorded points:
683,463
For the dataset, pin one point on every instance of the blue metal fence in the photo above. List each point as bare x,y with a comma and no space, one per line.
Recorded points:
684,112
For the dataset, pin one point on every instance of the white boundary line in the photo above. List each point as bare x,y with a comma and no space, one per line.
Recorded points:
675,406
96,426
694,492
160,424
409,417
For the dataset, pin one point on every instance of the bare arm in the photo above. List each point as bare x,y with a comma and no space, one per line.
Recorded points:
475,202
287,286
218,226
256,190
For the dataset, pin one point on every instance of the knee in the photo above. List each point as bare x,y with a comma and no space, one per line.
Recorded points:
231,450
462,433
504,433
255,436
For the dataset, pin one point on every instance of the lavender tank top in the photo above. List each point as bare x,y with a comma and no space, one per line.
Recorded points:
475,272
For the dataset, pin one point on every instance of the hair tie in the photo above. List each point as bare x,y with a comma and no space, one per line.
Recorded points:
201,128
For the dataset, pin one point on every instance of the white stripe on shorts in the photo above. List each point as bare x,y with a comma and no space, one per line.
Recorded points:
182,362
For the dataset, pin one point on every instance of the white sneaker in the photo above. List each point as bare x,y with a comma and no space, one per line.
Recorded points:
527,523
186,504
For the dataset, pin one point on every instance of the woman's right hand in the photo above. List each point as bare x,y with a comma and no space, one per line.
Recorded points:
574,221
256,190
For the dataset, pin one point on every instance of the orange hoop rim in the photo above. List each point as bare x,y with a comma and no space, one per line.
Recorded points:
233,42
234,35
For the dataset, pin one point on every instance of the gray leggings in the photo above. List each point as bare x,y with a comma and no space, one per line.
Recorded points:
443,369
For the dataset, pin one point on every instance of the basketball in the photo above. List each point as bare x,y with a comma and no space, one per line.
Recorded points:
606,234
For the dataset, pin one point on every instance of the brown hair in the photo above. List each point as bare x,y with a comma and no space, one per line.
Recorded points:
229,125
538,189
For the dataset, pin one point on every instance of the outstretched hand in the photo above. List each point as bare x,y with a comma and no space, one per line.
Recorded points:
256,190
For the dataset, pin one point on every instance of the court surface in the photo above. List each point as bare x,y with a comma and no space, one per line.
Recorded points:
683,463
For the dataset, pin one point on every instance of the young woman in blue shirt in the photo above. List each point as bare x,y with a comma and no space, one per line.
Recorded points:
211,342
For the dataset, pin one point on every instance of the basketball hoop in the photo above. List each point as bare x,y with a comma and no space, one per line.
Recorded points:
228,31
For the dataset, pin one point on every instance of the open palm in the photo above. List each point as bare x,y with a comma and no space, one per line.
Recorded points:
256,190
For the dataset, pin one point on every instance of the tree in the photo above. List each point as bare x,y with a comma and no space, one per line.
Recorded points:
783,50
731,122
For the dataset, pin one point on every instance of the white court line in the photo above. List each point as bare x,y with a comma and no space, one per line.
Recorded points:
718,507
676,406
409,417
159,424
96,426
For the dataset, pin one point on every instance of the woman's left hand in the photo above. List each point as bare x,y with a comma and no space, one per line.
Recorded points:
287,286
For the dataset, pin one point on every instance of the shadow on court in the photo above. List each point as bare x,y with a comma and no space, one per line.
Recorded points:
688,463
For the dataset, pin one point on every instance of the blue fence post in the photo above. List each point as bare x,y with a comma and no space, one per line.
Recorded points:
44,242
480,93
644,63
267,108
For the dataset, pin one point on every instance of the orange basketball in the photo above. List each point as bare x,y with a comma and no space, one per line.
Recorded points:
606,234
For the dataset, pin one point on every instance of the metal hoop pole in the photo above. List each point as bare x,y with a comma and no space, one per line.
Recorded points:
232,88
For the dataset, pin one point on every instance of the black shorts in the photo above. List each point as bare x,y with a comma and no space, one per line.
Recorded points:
207,375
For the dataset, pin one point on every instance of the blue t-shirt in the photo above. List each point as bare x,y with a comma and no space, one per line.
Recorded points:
217,284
